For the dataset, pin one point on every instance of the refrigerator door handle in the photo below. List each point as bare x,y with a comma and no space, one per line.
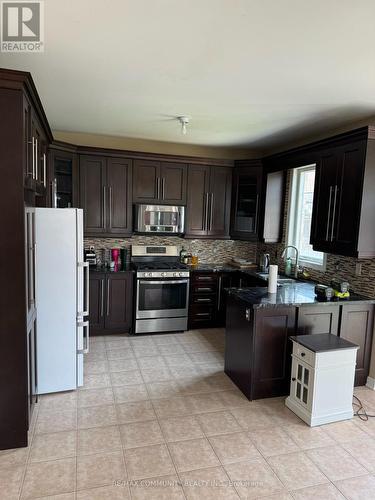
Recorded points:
85,311
86,336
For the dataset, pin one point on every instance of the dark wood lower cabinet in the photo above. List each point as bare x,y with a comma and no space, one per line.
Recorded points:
111,302
318,319
357,324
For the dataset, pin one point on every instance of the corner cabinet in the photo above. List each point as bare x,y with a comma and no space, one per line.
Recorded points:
111,302
105,195
208,201
159,182
246,200
344,203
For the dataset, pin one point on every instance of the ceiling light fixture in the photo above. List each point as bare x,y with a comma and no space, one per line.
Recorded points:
184,120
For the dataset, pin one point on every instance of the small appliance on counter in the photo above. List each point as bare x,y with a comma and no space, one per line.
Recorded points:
264,262
115,254
341,289
159,219
242,263
324,293
90,256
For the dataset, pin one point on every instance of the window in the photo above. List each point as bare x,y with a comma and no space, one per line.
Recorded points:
300,213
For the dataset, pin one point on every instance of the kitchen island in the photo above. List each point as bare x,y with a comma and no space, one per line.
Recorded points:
259,326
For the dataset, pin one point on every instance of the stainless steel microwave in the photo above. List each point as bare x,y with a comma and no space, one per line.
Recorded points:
159,219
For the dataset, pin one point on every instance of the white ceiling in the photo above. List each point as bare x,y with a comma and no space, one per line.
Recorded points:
249,72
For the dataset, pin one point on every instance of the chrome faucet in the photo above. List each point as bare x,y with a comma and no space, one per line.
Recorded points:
283,253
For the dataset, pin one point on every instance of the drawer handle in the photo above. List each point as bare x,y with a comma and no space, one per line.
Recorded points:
303,354
204,289
203,300
202,314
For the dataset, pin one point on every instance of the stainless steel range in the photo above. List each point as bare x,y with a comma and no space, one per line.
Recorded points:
162,289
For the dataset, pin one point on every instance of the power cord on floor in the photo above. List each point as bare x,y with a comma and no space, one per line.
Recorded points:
359,410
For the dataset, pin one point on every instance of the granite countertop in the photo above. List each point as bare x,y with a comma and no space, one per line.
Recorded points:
96,269
323,342
223,268
294,294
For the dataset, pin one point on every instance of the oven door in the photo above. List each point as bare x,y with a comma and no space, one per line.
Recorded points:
162,298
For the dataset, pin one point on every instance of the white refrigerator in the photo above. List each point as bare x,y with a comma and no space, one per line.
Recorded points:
62,299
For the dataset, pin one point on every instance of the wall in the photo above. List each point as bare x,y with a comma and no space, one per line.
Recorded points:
130,144
208,251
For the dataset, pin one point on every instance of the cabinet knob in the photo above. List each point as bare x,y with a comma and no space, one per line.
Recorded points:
294,379
303,354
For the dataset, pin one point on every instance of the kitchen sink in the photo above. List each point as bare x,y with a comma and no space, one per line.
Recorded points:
281,280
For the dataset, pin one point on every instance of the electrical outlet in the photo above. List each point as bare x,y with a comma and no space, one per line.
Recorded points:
358,269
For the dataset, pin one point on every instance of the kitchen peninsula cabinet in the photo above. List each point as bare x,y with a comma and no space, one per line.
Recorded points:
318,319
105,195
208,201
159,182
111,302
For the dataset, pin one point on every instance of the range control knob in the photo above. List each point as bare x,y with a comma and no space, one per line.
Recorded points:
175,274
149,275
180,274
162,274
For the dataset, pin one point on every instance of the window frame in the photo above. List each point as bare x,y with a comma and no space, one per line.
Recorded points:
293,210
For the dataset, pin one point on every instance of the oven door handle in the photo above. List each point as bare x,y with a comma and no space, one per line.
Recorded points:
166,282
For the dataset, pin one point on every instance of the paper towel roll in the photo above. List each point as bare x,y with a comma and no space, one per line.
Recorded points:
272,279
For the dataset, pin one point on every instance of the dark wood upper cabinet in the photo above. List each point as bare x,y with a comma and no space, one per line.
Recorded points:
105,195
159,182
357,325
343,207
246,200
93,200
208,202
62,178
318,319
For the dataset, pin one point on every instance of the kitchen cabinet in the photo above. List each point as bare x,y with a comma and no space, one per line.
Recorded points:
208,202
105,195
62,177
246,200
343,207
159,182
357,324
111,302
318,319
203,299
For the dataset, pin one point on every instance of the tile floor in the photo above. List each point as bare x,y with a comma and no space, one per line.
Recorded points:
158,419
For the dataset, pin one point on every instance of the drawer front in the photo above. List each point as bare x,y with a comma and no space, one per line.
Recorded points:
201,314
204,288
208,300
303,354
204,278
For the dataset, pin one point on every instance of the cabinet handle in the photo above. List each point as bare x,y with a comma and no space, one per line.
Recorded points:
44,170
36,159
203,300
206,213
247,314
203,314
329,211
334,213
110,206
32,142
204,278
256,214
104,208
201,289
163,188
219,294
107,297
157,187
101,298
211,210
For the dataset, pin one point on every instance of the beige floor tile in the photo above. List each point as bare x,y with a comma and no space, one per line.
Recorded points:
130,377
56,421
169,338
157,488
95,397
220,382
127,393
181,428
202,403
157,375
252,417
174,407
148,462
96,416
208,484
359,488
58,401
344,431
194,454
273,441
98,440
178,360
112,492
11,481
231,448
363,450
53,446
336,463
193,385
159,390
96,381
122,353
140,434
96,367
122,365
151,362
296,470
233,398
278,496
170,349
308,437
112,345
321,492
137,411
221,422
142,351
97,347
197,347
63,496
49,478
280,414
96,356
185,372
13,457
254,479
145,341
368,427
206,357
100,470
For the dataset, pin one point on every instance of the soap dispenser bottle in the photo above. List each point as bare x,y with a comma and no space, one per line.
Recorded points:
288,266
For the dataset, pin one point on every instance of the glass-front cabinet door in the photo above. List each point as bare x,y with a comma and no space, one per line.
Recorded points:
302,378
62,179
246,202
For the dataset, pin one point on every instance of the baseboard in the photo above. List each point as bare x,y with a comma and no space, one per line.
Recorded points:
370,383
